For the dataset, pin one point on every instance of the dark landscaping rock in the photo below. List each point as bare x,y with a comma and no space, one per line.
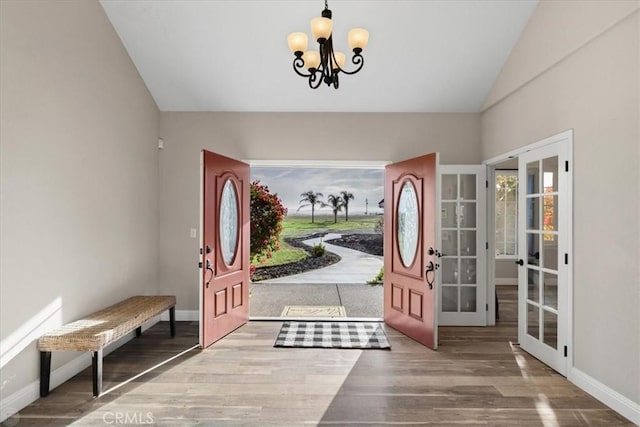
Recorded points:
309,263
367,243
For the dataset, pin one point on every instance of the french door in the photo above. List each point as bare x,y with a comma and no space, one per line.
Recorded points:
410,261
225,247
544,233
463,254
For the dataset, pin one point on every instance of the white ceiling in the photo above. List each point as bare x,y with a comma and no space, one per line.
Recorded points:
423,56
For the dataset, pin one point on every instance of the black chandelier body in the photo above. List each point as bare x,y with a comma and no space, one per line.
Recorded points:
326,64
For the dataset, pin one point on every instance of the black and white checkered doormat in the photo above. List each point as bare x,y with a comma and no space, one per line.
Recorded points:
332,335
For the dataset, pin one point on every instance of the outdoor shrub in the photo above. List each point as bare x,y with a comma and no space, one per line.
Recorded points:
267,213
318,250
379,227
379,279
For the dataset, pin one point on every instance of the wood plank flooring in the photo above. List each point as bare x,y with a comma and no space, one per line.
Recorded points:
478,377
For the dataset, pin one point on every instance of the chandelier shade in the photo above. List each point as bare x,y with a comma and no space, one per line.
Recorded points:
321,28
298,42
325,64
358,38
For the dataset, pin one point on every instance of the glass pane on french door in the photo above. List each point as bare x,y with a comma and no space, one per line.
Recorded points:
462,237
542,189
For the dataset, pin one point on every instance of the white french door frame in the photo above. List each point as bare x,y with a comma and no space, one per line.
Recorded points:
563,137
479,316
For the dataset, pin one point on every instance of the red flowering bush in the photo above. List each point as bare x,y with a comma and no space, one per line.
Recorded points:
267,213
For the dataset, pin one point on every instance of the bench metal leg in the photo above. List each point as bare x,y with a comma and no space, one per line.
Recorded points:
96,362
172,321
138,331
45,372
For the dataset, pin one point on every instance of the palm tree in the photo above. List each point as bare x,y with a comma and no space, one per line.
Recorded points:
346,196
335,203
310,198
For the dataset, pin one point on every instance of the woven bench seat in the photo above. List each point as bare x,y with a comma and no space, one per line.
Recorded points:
103,327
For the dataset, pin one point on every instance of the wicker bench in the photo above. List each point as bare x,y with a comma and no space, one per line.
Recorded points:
97,330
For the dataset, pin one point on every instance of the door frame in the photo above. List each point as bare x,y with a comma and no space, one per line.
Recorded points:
293,164
566,136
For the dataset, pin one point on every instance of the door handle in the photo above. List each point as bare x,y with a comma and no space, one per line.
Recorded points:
209,268
520,262
431,268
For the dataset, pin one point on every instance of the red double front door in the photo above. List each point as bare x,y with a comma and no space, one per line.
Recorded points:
409,253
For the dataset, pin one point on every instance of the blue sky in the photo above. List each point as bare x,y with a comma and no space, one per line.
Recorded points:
290,182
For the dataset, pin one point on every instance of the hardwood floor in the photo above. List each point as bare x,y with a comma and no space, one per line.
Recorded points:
479,376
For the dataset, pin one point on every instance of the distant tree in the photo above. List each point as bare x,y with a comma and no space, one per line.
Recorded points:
310,198
346,196
335,203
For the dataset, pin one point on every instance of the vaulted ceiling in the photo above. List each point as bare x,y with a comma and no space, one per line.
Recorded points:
423,56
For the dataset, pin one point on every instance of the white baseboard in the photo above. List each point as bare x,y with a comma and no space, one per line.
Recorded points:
619,403
31,392
182,316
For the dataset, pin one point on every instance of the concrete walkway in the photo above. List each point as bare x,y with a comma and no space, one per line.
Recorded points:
341,284
354,267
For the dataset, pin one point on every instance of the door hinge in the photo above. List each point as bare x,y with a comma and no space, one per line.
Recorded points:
486,245
200,265
565,351
486,307
566,165
566,259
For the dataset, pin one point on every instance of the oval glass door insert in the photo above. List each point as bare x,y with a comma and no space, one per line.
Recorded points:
229,222
408,224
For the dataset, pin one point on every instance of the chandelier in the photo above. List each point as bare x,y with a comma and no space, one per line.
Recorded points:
325,64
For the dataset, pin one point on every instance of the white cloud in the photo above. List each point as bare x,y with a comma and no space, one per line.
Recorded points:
289,183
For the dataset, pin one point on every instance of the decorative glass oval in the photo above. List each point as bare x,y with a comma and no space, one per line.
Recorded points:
408,224
229,223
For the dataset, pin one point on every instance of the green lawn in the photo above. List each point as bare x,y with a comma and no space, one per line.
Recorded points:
285,255
300,225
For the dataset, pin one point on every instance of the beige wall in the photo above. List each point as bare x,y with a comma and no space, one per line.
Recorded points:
283,136
506,270
577,67
79,169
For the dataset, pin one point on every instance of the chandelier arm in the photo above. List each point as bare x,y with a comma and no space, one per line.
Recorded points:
325,60
299,63
358,60
314,80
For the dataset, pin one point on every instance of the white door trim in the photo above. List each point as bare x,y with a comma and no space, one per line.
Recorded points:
567,134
